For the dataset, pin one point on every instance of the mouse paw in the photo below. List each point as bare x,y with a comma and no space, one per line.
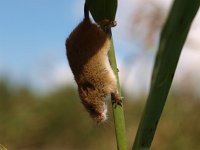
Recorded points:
116,99
107,23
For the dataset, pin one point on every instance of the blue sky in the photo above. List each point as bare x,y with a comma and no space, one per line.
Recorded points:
32,37
32,44
31,31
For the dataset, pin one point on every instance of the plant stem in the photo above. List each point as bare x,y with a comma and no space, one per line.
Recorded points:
173,37
2,147
118,112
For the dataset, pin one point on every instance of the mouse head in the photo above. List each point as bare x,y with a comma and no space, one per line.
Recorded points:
96,110
94,101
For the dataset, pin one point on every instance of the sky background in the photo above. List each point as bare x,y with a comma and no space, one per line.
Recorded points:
32,37
32,45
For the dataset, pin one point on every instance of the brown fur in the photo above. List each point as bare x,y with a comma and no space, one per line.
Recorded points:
87,48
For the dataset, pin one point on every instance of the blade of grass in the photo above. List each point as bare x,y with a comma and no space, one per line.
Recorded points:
102,9
172,39
118,112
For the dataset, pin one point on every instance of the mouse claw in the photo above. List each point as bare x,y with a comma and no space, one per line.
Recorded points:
107,23
116,99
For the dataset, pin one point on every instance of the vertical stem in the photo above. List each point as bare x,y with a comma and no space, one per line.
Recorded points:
172,39
118,112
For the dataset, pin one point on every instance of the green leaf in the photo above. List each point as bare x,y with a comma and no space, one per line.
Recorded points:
102,9
172,39
118,112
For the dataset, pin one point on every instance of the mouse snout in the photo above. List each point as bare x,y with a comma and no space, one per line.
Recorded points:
101,117
96,110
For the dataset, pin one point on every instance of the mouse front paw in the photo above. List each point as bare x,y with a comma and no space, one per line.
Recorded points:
116,99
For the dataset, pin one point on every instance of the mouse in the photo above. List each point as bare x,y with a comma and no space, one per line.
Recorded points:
87,52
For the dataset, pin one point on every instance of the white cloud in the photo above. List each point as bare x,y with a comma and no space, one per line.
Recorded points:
187,77
62,75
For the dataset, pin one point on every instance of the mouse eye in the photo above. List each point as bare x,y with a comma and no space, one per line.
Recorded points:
91,109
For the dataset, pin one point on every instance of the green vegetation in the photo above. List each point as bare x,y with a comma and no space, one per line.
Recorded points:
172,39
2,147
102,9
118,112
58,121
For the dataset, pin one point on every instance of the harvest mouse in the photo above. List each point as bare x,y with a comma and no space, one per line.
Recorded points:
87,52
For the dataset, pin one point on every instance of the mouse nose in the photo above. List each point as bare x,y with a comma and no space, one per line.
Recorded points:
101,118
